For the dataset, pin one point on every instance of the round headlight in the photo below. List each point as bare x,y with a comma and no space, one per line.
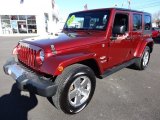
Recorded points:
41,55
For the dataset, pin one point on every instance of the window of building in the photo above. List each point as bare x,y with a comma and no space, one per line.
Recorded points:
31,24
6,26
137,22
13,24
22,27
22,17
147,22
14,17
32,17
5,17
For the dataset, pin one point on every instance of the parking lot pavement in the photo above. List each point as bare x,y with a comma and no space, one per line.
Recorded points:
125,95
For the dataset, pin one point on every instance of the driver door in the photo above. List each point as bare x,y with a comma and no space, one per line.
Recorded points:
120,44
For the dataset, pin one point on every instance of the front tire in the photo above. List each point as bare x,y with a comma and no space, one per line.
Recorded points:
76,87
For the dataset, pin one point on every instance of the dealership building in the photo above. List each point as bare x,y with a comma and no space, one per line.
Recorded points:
28,17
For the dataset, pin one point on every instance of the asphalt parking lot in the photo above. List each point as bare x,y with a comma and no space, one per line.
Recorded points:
125,95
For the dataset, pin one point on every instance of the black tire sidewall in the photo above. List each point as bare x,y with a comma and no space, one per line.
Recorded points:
64,103
142,66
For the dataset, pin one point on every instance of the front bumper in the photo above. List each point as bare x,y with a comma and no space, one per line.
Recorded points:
29,81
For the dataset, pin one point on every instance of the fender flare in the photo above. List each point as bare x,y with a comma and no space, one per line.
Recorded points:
56,64
147,42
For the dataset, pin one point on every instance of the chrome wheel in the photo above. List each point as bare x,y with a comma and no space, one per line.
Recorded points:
79,91
146,58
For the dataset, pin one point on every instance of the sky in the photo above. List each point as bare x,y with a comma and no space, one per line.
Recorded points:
66,7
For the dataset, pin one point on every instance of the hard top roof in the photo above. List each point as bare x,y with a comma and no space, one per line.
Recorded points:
122,9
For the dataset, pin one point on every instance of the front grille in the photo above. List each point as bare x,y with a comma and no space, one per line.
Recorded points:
27,55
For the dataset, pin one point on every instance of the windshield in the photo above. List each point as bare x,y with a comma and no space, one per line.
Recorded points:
88,20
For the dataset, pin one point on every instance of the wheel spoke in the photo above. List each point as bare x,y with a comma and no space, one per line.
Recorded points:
84,83
77,83
72,94
78,99
85,92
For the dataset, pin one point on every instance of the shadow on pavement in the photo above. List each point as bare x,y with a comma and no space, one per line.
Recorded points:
14,106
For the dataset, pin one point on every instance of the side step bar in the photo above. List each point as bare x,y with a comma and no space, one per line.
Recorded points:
117,68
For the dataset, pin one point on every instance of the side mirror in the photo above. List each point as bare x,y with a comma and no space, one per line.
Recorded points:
119,29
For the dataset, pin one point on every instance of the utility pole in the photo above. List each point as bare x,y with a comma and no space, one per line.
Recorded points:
129,4
21,1
115,5
122,4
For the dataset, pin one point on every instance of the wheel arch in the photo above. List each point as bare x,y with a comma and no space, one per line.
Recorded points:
91,63
88,60
148,42
150,45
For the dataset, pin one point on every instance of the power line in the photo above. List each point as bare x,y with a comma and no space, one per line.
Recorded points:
147,5
150,6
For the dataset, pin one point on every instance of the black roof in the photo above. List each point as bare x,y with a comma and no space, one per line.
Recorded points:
125,9
122,9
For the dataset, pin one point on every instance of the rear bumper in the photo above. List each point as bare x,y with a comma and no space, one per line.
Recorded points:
29,81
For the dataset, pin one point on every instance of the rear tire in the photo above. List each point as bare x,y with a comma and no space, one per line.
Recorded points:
143,61
76,87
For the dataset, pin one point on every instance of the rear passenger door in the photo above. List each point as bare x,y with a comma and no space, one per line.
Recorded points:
137,31
119,49
147,26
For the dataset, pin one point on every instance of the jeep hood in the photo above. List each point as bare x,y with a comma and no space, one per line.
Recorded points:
64,41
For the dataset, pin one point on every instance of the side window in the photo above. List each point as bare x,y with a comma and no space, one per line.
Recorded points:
147,22
137,22
120,21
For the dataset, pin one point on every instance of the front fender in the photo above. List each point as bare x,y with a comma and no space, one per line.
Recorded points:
52,64
141,47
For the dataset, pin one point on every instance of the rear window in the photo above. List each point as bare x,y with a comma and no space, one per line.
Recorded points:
147,22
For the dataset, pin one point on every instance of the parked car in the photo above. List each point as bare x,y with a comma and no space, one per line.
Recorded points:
93,43
155,32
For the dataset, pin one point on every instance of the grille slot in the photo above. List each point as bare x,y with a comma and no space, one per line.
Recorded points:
27,55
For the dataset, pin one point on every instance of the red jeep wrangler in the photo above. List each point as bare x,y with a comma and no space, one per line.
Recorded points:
93,43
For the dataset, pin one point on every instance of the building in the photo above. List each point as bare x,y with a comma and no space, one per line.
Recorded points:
156,23
28,17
